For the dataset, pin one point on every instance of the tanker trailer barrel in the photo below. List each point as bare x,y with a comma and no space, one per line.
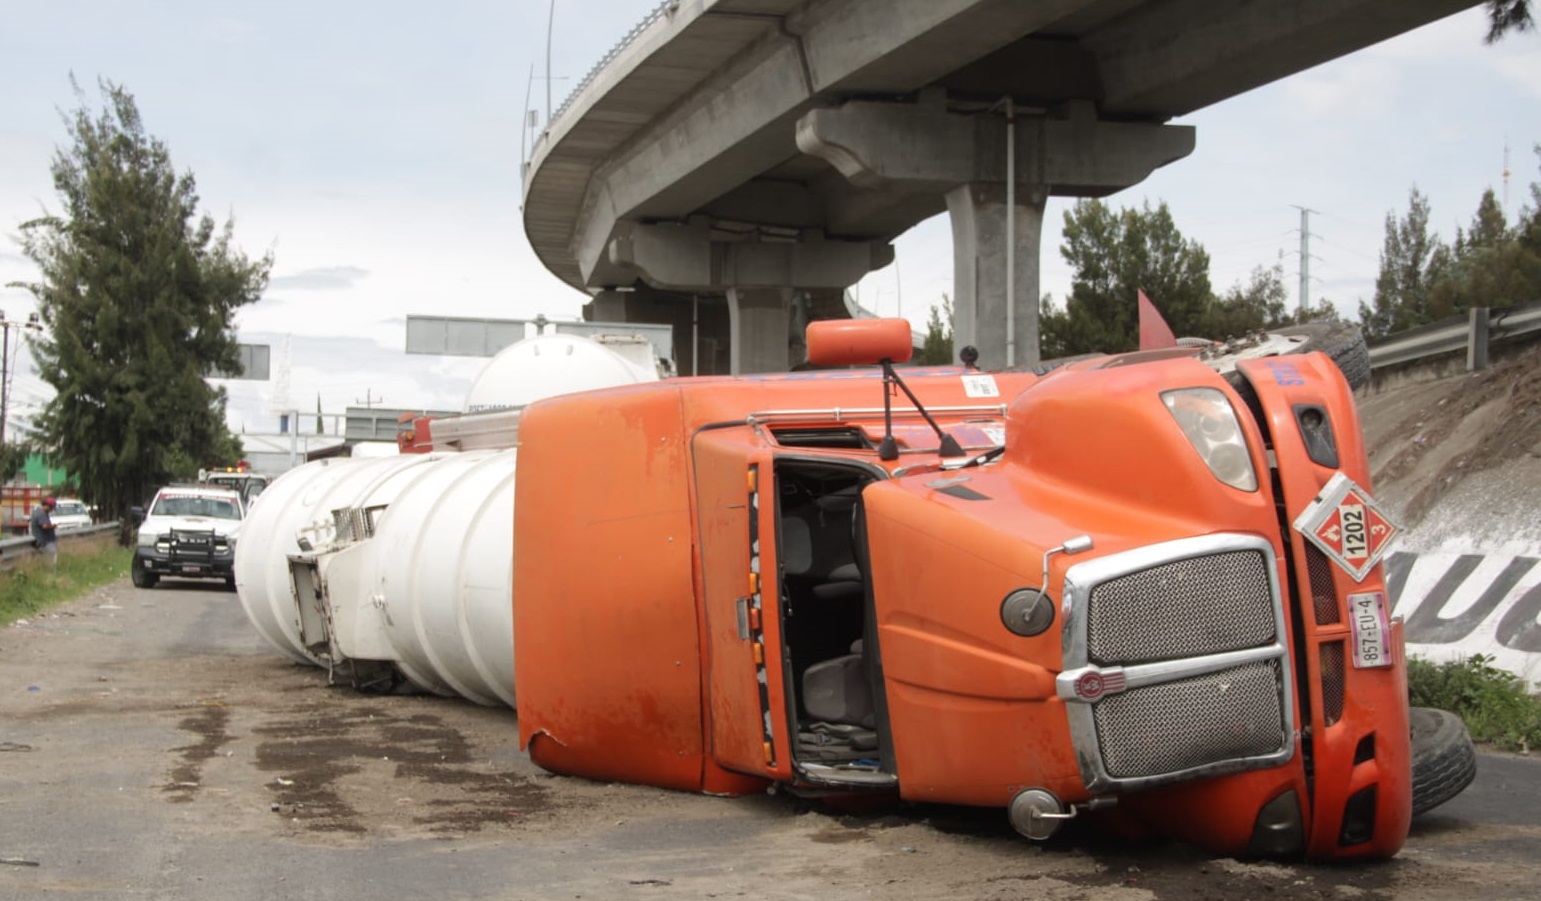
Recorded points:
403,560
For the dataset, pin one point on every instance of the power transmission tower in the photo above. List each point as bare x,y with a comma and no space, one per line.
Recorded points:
1305,260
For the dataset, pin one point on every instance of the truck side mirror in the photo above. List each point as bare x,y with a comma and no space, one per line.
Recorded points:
136,515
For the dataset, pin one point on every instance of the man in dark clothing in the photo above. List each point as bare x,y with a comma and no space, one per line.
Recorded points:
43,532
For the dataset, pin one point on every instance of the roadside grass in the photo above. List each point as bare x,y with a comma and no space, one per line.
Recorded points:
1494,702
28,587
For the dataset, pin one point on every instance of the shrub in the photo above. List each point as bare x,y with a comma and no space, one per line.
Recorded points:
1494,702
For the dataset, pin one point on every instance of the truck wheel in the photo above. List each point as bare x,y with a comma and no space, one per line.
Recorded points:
141,578
1444,760
1342,341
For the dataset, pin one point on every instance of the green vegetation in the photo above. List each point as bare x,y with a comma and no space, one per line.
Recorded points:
1505,16
1493,702
938,348
1114,253
138,294
1489,264
29,587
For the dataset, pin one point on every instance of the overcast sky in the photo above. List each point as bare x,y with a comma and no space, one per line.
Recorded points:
374,148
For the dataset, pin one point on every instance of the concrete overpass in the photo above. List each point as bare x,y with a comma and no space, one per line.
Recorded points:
733,165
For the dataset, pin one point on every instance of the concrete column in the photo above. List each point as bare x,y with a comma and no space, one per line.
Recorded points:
607,306
980,314
899,149
759,323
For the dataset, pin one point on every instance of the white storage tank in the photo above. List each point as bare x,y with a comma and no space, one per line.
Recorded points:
548,365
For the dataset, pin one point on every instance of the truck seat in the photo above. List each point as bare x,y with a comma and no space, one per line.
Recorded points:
838,699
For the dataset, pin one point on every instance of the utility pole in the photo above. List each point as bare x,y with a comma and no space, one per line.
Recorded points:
1305,260
369,400
550,18
525,128
32,324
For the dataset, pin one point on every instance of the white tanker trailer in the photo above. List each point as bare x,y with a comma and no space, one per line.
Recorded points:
400,568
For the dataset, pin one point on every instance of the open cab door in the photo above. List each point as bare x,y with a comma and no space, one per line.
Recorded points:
742,648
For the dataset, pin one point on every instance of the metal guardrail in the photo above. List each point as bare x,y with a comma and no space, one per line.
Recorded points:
1473,332
13,549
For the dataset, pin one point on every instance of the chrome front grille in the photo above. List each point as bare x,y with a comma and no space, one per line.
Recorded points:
1184,608
1175,665
1177,726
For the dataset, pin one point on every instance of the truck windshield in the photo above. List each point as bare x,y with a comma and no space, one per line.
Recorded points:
216,508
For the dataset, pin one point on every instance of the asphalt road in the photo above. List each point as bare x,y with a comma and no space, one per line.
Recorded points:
151,746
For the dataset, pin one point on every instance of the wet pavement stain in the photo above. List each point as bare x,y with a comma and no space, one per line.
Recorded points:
439,783
209,723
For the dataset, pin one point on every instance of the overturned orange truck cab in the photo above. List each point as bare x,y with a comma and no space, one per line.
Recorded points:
1138,587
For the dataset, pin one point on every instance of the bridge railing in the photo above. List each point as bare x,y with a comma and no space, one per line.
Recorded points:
13,549
658,12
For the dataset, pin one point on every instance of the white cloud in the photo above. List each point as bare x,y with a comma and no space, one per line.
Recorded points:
327,278
1347,89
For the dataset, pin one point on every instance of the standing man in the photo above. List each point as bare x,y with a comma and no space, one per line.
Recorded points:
43,533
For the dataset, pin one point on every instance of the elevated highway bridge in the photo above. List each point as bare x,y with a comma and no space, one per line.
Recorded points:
734,165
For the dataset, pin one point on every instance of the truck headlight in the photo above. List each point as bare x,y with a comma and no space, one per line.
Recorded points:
1206,418
147,539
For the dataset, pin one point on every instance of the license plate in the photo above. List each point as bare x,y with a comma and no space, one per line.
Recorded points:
192,569
1367,613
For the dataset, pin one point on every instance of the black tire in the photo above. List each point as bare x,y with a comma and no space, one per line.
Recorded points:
1444,759
230,582
142,579
1342,341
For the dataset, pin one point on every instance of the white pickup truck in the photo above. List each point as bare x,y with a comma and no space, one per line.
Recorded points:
187,532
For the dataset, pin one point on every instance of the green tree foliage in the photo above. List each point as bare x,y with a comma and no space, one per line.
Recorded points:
1411,260
937,351
1262,302
1505,16
1528,232
1113,254
13,458
137,294
1489,264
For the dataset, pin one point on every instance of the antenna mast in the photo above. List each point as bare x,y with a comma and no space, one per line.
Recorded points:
1506,180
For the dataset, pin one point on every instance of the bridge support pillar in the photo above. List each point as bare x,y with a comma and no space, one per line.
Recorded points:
760,324
1001,324
909,149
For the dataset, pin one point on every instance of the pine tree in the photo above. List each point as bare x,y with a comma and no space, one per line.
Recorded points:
1261,303
137,294
1412,259
937,351
1114,254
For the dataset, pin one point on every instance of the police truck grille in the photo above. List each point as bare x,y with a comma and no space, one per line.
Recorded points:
1185,608
1175,726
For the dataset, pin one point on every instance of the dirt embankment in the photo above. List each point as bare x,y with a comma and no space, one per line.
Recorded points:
1456,456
